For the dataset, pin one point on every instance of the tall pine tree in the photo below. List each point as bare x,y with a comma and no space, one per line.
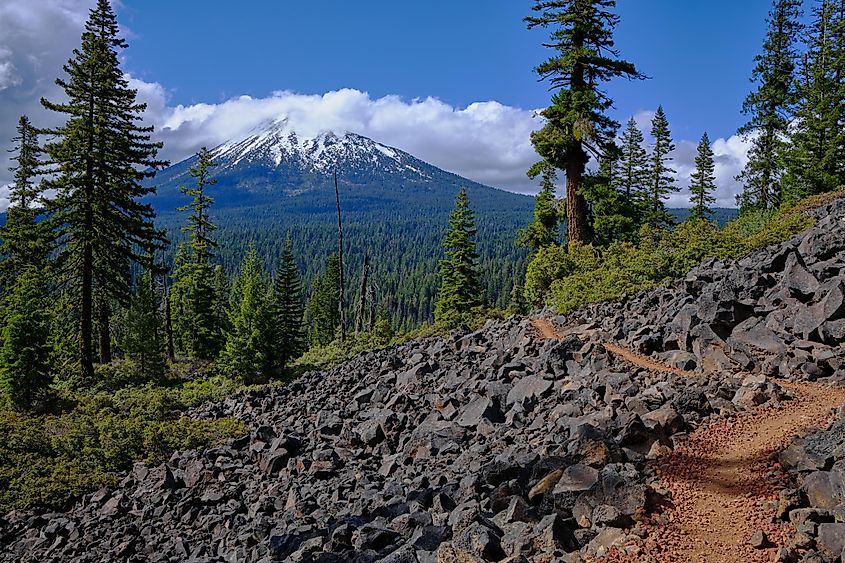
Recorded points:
195,274
250,347
769,108
288,308
24,238
543,231
816,160
661,178
460,291
324,304
633,170
577,124
703,181
100,157
25,352
145,339
612,217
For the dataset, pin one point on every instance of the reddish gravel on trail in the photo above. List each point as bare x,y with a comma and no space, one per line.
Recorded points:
723,485
548,332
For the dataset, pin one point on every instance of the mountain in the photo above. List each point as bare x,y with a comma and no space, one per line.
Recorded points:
395,207
276,166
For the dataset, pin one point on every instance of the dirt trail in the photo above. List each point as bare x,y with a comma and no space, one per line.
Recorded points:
723,486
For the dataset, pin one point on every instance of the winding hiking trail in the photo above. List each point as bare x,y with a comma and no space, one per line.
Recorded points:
724,487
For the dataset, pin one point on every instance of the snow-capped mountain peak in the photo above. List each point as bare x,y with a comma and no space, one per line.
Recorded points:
276,144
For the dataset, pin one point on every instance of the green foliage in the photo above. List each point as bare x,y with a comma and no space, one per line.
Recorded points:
815,158
250,353
195,285
288,309
661,178
144,342
587,274
613,213
518,304
460,291
577,120
548,264
336,352
633,170
25,351
48,460
769,108
323,306
543,231
100,156
23,239
703,181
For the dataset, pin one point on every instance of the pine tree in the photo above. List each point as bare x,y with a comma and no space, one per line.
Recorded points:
518,304
661,178
363,288
323,306
289,308
195,274
25,354
249,349
222,295
577,123
612,217
816,160
100,157
703,181
145,339
769,108
460,291
633,170
24,239
543,231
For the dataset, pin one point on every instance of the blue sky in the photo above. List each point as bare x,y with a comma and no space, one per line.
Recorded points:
699,54
451,82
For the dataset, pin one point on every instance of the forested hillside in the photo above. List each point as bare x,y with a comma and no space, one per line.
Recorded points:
394,208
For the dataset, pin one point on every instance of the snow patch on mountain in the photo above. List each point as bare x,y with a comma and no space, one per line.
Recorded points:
276,144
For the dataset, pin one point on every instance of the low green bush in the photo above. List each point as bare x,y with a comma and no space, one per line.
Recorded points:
48,460
584,274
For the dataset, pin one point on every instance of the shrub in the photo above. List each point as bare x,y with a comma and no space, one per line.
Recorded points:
584,274
48,460
548,264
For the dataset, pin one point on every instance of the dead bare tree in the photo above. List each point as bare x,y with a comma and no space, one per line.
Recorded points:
362,295
341,301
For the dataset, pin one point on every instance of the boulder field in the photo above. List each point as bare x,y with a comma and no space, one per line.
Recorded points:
498,444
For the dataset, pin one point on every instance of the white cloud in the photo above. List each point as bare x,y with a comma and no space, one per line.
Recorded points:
643,119
730,156
485,141
4,196
8,73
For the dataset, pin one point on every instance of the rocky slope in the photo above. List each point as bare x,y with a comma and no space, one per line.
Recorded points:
494,444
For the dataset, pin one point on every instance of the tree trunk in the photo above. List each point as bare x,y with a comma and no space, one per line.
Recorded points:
104,326
577,225
86,323
341,304
362,295
86,314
